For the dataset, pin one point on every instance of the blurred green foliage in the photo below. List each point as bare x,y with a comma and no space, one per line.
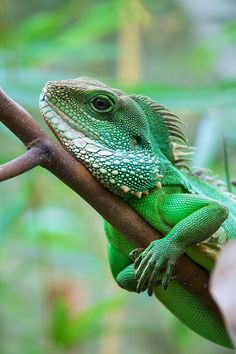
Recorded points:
56,291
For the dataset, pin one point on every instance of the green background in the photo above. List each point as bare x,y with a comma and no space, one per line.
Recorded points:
56,291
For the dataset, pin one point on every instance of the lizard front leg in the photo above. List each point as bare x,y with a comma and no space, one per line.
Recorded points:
192,220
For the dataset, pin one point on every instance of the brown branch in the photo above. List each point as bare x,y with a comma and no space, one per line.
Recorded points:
112,208
22,164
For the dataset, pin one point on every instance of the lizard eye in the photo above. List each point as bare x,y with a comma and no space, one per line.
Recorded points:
102,104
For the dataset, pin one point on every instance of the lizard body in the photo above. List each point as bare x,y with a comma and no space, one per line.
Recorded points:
137,149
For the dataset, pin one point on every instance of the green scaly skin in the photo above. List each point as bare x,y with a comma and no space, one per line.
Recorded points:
136,148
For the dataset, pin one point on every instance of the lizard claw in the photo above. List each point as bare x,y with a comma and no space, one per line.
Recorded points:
158,258
135,253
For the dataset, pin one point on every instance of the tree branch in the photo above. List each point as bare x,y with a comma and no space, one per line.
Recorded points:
44,151
22,164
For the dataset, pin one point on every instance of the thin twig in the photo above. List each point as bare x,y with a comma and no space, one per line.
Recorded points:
22,164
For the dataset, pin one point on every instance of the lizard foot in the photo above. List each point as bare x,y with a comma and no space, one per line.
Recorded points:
159,257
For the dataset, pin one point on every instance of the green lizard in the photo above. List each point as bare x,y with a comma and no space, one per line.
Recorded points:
137,149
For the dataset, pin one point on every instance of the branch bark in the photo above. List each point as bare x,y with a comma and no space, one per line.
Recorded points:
22,164
50,155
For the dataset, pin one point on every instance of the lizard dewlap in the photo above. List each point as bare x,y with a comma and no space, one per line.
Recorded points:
137,149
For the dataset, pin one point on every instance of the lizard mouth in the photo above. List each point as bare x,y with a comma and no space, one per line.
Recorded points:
66,130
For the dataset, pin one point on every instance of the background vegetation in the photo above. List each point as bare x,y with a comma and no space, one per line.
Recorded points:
56,291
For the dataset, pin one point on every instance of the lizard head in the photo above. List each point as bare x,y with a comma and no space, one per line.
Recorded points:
107,130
